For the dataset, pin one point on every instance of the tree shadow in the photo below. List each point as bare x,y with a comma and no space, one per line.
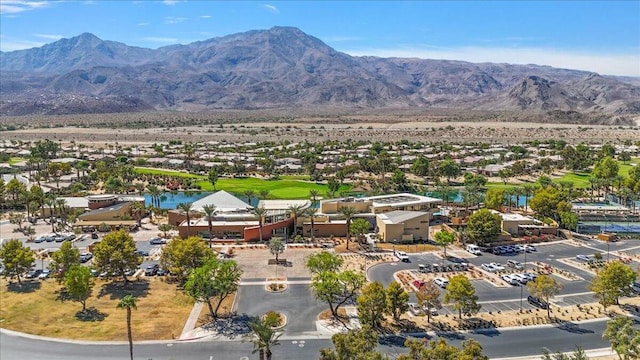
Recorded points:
231,327
24,287
91,314
392,340
117,290
62,295
572,328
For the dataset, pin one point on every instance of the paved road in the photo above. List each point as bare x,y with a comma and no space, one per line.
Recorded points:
497,343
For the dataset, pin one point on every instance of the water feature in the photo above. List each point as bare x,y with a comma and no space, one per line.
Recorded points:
170,200
456,196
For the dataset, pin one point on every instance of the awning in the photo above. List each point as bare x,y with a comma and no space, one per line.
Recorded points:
107,222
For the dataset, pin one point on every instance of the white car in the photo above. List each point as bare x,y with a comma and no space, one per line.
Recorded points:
511,280
415,309
522,278
433,311
488,267
497,267
515,264
531,276
529,248
519,248
442,282
402,256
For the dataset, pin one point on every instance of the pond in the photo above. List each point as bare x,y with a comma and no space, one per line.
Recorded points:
170,200
456,196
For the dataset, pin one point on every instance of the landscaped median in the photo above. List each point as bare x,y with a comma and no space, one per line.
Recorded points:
38,308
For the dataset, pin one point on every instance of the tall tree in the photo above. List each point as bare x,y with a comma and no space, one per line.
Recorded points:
276,247
78,282
311,213
612,281
494,198
429,297
353,345
483,226
116,254
296,211
264,338
336,289
249,193
449,169
460,291
544,287
313,195
444,239
263,194
624,337
128,302
324,261
359,227
187,208
208,211
397,300
348,212
17,258
180,256
372,304
212,176
260,213
63,259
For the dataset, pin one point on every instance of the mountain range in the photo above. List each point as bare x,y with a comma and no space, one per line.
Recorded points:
283,67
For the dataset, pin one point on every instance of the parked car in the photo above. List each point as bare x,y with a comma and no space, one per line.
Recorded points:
415,309
130,272
418,283
40,239
84,257
488,267
45,274
510,279
520,278
151,270
514,264
94,235
537,302
519,248
157,241
442,282
433,311
33,273
401,255
142,252
530,275
530,248
473,249
584,258
497,266
162,272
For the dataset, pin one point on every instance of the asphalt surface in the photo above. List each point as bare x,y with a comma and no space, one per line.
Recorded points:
496,343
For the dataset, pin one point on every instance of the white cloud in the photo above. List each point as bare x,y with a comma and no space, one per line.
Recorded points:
271,8
172,20
49,36
171,2
18,6
144,23
341,38
163,40
12,45
627,64
205,16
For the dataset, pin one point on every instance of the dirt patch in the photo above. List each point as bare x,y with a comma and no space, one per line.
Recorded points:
326,315
224,312
161,312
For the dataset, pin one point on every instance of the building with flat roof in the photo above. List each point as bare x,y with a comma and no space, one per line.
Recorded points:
382,203
403,226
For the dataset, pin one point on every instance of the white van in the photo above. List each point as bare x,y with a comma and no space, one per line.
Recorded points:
401,255
473,249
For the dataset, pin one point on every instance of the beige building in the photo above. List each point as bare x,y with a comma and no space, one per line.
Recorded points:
382,204
403,226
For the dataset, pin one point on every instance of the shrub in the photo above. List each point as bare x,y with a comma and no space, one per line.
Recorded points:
272,319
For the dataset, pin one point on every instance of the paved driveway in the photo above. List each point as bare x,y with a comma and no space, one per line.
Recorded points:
297,303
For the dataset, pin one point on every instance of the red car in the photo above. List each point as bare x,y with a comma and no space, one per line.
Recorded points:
418,283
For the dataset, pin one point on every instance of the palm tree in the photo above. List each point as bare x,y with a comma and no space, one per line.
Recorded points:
187,207
208,210
263,194
348,212
314,194
264,338
137,211
128,302
249,194
260,212
527,191
295,211
311,213
154,192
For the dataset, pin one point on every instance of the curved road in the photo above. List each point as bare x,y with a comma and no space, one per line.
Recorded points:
498,343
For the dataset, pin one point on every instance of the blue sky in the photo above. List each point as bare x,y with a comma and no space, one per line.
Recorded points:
600,36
